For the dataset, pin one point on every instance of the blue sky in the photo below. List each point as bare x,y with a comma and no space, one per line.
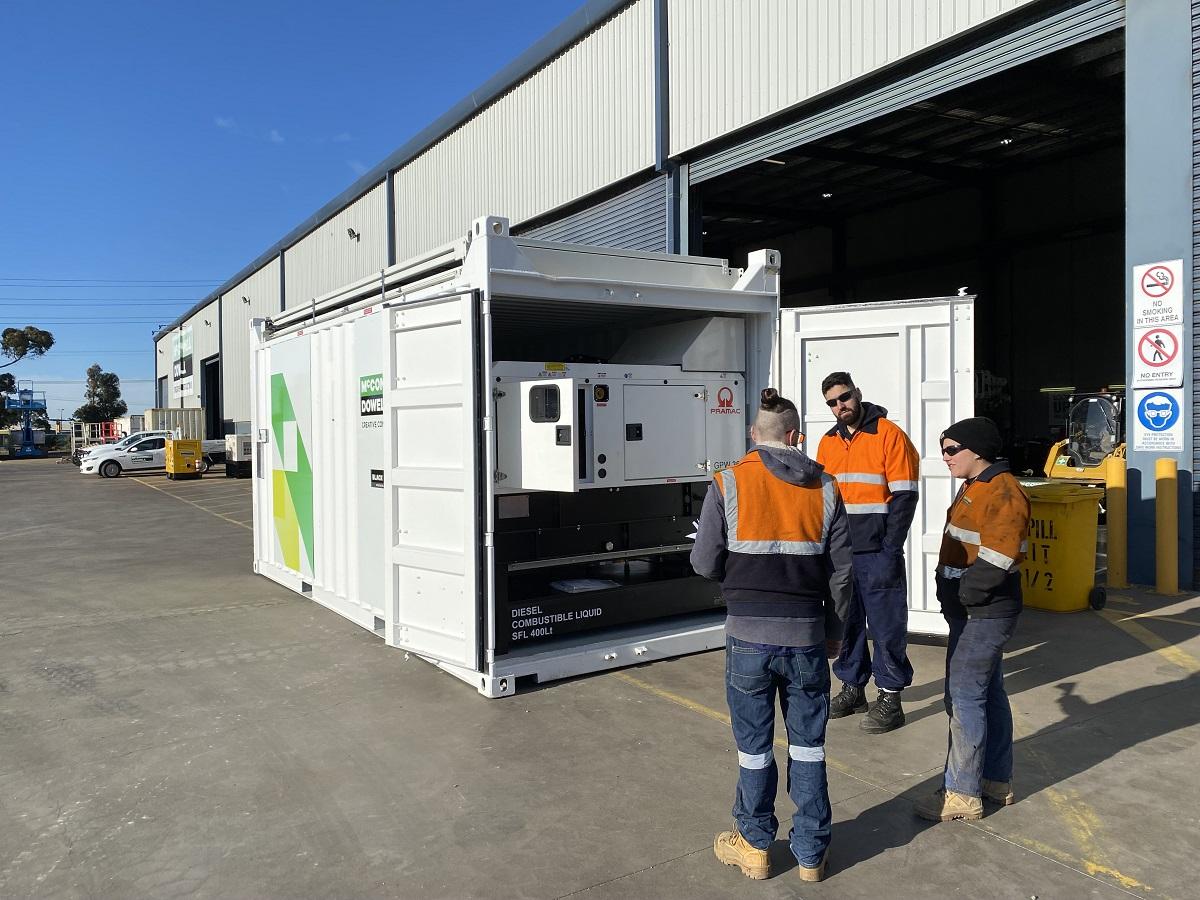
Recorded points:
150,150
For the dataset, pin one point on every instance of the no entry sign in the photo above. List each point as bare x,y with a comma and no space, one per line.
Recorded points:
1157,304
1157,360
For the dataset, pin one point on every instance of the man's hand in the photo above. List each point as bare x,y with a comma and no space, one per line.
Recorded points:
832,649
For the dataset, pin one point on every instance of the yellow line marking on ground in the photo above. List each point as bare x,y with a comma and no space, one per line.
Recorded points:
1082,821
155,487
1175,655
1079,818
718,716
1157,618
1122,601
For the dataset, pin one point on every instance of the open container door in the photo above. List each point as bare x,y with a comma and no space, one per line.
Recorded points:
916,358
432,483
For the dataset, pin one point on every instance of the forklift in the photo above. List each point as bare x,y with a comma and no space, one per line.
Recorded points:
1095,431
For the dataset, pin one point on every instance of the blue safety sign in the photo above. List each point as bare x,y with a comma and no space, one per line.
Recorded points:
1158,411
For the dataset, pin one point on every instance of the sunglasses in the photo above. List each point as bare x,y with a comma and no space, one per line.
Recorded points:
842,398
953,449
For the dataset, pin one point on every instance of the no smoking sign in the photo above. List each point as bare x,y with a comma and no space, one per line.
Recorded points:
1157,297
1158,281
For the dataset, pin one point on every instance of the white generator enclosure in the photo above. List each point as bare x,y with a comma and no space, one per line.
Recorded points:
492,456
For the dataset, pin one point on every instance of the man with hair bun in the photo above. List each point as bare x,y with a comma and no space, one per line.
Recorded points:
878,472
773,530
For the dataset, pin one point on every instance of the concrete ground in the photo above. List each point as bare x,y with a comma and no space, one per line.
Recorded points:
173,725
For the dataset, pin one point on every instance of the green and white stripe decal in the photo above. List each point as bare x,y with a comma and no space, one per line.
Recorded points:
292,482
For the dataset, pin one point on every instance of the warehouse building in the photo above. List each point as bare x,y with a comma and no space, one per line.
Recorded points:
1036,153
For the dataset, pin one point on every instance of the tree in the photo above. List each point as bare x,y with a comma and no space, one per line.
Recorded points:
18,343
102,397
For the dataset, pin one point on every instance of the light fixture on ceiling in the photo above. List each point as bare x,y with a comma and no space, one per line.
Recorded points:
775,162
352,234
1006,142
826,195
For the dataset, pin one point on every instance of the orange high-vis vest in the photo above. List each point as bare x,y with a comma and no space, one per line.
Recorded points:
878,472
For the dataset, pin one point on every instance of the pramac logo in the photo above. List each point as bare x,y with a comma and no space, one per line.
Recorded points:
724,405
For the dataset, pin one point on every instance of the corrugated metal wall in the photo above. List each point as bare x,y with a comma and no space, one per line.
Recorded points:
583,122
1195,290
732,64
633,220
162,369
262,291
328,257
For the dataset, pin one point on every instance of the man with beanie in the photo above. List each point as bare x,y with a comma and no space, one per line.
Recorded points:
878,474
979,586
774,532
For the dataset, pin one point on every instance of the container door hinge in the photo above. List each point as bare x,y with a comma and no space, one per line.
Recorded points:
499,476
497,393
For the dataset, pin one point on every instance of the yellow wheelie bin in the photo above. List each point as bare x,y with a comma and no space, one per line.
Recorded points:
1059,572
183,457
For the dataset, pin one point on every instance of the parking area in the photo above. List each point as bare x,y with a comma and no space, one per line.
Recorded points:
173,725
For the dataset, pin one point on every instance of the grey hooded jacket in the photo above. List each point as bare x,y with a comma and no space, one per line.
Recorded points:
792,465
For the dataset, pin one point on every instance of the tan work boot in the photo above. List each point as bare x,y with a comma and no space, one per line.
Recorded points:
998,792
734,850
815,873
943,805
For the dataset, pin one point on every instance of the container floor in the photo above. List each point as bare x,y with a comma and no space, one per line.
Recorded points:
173,725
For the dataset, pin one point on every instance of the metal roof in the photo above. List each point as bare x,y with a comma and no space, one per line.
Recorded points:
575,27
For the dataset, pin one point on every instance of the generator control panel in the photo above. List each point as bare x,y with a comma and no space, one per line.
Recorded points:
568,427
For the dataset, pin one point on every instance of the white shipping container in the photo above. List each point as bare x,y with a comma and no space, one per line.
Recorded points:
130,424
189,422
493,456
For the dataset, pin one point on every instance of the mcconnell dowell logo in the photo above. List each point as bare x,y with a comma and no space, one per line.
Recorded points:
724,405
370,390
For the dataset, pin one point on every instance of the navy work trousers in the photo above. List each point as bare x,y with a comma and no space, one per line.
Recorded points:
981,725
754,674
880,601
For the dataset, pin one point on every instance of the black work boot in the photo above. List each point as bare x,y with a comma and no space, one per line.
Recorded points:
886,715
851,699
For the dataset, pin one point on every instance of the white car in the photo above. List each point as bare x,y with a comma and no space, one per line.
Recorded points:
147,453
121,444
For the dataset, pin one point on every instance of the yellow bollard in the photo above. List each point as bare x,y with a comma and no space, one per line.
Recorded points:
1117,501
1166,526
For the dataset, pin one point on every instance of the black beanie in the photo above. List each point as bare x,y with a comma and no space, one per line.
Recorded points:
979,434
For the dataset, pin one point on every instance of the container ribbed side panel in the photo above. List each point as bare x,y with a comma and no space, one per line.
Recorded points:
581,123
261,290
329,257
736,63
1195,288
1072,26
633,220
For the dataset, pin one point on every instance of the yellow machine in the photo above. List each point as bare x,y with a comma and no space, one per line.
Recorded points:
1095,431
182,458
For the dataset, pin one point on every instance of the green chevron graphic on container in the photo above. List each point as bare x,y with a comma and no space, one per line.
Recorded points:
293,490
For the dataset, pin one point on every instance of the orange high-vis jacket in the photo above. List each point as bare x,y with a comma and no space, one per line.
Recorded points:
878,471
983,546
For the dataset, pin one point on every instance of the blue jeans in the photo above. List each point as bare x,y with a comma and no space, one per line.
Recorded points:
753,675
881,600
981,727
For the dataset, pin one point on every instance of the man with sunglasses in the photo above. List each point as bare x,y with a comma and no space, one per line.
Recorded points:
877,471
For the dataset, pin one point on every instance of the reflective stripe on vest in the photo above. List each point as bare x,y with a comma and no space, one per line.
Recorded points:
897,486
859,478
829,497
863,509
